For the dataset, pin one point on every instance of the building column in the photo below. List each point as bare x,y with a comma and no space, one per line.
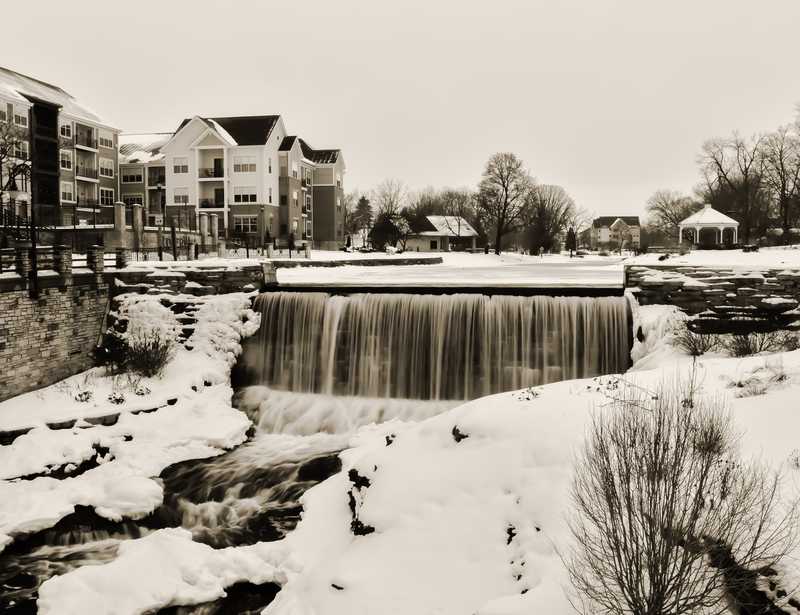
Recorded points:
697,235
213,228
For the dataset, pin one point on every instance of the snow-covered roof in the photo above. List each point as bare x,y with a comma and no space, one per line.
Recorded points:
142,148
450,226
27,87
709,215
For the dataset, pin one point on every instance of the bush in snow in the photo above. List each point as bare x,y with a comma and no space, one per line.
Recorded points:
694,344
745,344
144,340
668,517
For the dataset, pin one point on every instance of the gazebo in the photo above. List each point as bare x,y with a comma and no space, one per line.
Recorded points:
709,220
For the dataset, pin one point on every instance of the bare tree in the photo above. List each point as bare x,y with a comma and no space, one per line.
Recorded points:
666,209
389,197
548,212
668,517
458,209
502,193
14,163
733,168
781,151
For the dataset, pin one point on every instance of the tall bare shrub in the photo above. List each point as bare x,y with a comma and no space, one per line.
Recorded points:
668,518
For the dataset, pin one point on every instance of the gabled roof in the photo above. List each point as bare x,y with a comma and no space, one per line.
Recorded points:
25,87
317,156
243,130
142,148
604,221
449,226
709,215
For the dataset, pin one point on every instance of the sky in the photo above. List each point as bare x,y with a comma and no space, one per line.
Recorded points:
611,99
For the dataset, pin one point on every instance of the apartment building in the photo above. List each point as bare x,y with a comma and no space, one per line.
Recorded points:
614,232
143,174
72,151
261,182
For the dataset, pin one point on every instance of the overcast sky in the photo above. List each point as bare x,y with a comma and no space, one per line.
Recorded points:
611,99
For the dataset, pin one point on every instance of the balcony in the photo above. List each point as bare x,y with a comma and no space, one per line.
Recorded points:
306,182
85,140
82,172
210,173
211,203
154,180
82,201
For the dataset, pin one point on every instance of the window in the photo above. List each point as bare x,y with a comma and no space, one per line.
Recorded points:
66,131
244,194
283,199
106,196
20,120
67,193
180,196
133,175
106,167
65,156
105,139
3,116
308,202
180,165
131,199
269,164
245,224
270,195
294,170
433,244
21,150
244,164
294,198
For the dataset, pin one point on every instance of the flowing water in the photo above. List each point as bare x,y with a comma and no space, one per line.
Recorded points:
320,367
434,347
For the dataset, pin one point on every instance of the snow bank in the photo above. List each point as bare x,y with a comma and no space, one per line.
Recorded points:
200,423
160,570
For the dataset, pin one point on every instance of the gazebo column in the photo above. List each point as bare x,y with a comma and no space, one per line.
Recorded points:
696,235
721,235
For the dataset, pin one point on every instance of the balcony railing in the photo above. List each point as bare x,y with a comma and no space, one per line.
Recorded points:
153,180
210,173
89,172
85,140
211,203
81,201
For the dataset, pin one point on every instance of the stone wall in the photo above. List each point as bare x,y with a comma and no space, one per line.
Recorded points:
718,292
48,337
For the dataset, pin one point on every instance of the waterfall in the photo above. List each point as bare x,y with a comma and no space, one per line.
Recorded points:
433,346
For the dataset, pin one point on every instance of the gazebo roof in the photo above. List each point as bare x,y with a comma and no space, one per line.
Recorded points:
709,215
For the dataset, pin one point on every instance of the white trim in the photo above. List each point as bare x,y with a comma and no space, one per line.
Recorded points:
71,185
69,152
100,167
100,196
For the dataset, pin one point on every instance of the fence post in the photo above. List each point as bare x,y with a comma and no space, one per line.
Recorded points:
62,262
22,260
121,258
94,261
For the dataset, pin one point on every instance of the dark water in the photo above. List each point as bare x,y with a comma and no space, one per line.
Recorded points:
247,495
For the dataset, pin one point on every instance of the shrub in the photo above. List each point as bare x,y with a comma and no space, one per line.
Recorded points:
668,517
745,344
694,344
147,352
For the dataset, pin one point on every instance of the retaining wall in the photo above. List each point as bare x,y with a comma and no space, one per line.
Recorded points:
697,289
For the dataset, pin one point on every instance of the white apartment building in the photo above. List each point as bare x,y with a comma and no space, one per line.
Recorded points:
227,166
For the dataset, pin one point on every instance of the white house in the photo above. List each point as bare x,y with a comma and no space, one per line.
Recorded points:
442,234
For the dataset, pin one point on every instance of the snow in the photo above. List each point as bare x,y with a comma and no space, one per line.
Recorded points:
465,269
168,568
201,423
441,508
787,258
